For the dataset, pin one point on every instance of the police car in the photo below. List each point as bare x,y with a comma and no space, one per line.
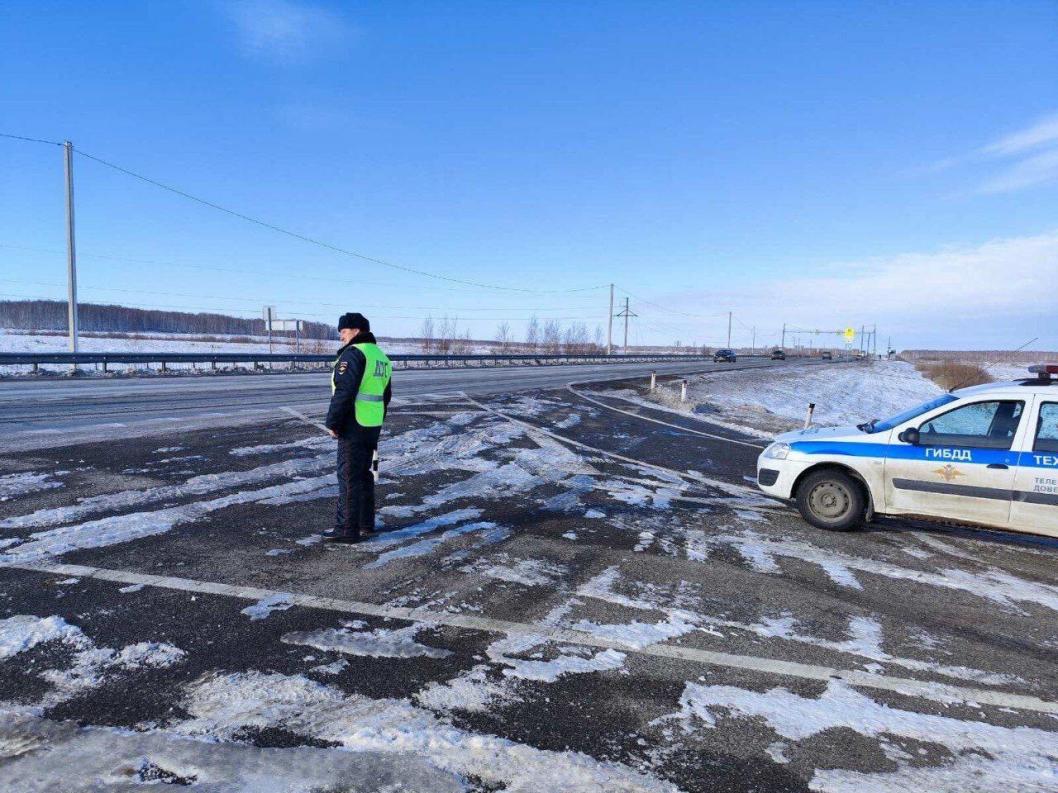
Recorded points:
986,455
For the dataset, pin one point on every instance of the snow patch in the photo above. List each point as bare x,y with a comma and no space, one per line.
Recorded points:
379,643
136,525
550,671
530,572
40,756
266,605
221,705
14,485
983,756
24,632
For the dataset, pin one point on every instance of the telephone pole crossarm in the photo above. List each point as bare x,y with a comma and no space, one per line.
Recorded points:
626,313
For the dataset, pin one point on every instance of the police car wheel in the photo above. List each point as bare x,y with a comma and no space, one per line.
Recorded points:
831,500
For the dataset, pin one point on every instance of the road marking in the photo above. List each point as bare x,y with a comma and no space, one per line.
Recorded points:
445,414
298,415
728,487
936,692
575,392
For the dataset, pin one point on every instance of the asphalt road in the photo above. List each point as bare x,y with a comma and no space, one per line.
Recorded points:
533,616
39,413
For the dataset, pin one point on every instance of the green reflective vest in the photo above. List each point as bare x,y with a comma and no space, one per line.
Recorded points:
370,408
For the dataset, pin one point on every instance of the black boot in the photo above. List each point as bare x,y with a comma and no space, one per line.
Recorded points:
340,535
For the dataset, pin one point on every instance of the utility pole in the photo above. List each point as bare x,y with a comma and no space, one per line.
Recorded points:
729,329
753,346
71,254
783,345
609,326
626,314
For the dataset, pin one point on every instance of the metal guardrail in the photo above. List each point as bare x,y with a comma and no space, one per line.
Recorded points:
260,361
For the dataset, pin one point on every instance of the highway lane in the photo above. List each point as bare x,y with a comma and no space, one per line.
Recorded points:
32,410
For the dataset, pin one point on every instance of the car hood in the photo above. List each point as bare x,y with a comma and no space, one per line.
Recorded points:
823,434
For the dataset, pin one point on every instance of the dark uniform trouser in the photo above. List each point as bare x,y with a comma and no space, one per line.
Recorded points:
356,485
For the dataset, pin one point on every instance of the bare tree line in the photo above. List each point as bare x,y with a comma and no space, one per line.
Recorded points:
93,317
444,337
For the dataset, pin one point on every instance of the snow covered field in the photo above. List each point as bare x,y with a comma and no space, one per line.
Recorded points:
776,400
28,341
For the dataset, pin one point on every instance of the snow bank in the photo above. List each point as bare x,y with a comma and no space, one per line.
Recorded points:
776,399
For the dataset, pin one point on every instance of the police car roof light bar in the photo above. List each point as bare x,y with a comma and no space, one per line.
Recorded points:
1044,370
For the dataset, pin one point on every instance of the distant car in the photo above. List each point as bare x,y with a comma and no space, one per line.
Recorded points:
826,355
778,355
985,455
724,356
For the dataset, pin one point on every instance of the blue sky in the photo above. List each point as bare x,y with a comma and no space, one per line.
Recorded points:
819,164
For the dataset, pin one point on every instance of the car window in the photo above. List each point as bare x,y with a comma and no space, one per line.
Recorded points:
907,415
987,425
1047,428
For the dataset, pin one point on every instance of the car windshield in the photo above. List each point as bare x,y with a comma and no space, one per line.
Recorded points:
907,415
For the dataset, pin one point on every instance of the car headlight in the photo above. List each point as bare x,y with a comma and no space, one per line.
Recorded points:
777,451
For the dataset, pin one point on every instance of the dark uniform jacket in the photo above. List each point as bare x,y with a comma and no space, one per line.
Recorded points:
348,372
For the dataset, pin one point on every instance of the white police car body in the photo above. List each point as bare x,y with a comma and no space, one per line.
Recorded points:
986,455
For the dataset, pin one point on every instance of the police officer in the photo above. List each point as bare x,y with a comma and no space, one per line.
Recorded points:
360,392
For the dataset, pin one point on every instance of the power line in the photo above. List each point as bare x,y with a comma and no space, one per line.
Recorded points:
297,235
320,243
262,300
209,267
670,310
31,140
311,315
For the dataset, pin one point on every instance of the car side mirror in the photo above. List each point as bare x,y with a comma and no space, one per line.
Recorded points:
910,435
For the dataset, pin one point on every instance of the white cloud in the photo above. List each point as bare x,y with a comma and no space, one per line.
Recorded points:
1030,171
285,31
1024,158
999,277
1042,133
997,294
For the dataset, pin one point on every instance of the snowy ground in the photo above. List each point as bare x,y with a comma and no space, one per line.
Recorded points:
771,402
28,341
534,615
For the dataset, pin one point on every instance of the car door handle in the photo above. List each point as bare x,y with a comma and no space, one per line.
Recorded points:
1000,466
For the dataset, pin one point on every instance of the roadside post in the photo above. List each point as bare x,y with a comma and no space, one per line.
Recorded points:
683,391
653,381
268,312
808,416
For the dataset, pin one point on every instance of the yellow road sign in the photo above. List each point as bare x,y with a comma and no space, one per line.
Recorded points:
850,334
